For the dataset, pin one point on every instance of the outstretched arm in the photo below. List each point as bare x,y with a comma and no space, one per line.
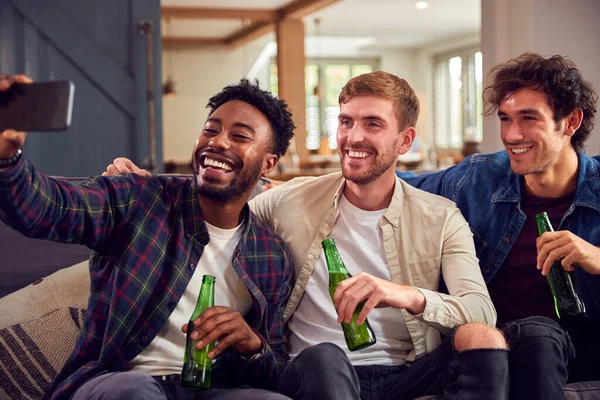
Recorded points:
42,207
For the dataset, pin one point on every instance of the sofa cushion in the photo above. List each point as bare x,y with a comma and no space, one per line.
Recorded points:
39,326
33,352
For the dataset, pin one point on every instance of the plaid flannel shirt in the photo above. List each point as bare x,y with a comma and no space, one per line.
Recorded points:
148,235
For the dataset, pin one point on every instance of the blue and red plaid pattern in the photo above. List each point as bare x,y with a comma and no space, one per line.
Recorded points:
148,235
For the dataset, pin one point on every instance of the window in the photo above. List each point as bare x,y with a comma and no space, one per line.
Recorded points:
324,79
458,99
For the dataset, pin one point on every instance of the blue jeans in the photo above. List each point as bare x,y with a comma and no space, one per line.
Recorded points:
537,360
139,386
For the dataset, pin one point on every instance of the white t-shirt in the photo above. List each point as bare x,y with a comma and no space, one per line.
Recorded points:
164,355
357,237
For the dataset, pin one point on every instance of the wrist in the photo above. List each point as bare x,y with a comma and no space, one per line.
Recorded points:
256,353
255,346
12,159
417,301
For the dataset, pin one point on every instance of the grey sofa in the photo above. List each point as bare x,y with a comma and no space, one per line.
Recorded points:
42,309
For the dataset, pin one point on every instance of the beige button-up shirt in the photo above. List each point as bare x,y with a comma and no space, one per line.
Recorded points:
424,237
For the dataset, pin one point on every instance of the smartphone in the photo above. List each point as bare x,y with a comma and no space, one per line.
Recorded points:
40,106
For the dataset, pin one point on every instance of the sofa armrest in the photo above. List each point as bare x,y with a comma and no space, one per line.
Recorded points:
66,288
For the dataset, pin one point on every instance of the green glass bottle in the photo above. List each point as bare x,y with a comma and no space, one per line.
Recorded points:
357,336
566,300
196,370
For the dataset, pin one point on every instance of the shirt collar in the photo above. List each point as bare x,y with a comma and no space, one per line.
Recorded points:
586,193
193,220
392,213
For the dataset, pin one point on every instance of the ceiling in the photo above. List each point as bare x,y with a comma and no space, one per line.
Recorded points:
380,23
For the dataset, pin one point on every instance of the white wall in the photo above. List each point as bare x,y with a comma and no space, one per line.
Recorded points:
548,27
203,72
199,73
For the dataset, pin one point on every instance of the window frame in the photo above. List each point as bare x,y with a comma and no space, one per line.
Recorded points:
322,63
467,85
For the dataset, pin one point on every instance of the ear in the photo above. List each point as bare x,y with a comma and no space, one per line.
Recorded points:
406,140
269,162
573,121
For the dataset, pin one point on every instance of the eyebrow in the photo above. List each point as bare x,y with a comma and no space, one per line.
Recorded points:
525,111
368,117
238,124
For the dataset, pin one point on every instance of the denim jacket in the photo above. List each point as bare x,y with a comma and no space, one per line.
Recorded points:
488,194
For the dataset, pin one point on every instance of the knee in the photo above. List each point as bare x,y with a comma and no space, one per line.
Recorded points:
537,332
533,327
478,336
323,352
133,385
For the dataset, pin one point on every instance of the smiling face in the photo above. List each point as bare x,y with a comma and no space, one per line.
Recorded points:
369,138
232,152
533,141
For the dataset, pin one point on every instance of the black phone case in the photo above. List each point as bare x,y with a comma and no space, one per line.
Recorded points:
44,106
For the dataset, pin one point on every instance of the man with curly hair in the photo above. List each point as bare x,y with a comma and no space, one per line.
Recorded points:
153,238
546,112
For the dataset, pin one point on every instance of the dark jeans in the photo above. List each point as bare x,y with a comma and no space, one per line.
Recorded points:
539,353
585,336
139,386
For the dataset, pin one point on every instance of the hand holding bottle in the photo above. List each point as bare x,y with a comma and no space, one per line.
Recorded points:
573,250
377,293
228,327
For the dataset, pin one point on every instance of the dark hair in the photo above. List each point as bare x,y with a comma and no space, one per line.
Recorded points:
274,109
556,76
384,84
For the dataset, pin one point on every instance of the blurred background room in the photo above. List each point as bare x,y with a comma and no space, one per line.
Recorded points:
144,69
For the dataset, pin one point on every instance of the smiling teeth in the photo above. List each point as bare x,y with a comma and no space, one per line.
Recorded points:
209,162
520,151
358,154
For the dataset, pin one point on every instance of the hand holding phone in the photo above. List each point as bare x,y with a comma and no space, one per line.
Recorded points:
11,140
27,106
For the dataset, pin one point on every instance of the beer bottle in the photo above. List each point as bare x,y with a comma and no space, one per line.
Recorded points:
357,336
566,300
196,365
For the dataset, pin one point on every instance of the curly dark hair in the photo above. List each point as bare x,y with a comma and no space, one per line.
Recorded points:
556,76
274,109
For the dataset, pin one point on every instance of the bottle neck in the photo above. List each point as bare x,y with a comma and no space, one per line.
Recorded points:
335,265
206,299
543,223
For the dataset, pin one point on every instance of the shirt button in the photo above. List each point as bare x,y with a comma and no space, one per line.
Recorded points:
192,266
144,338
506,239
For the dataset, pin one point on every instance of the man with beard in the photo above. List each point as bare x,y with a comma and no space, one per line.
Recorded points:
546,111
398,242
152,239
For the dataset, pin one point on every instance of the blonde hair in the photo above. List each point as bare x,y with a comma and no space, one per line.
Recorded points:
384,84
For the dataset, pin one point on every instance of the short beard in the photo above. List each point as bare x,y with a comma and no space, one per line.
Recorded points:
236,189
372,174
